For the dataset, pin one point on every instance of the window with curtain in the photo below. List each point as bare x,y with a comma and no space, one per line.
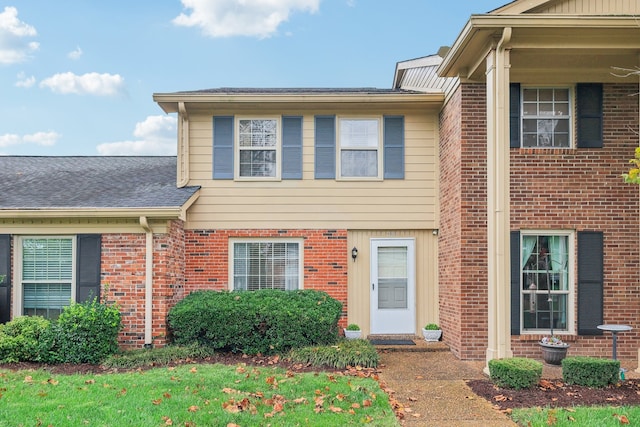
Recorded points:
47,275
359,148
266,265
546,117
258,141
545,283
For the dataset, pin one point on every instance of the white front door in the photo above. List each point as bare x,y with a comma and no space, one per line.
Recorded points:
393,286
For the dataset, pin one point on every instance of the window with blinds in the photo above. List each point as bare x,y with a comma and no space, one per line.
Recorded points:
266,265
47,275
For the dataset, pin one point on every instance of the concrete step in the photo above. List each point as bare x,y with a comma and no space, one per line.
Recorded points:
420,344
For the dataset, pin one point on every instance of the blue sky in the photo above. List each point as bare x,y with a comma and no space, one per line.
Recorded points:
77,76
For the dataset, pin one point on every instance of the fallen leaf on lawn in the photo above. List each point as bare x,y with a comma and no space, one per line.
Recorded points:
416,415
156,401
412,399
622,418
570,418
28,379
167,395
52,381
340,397
500,398
366,403
90,382
335,409
300,400
570,410
355,405
193,408
232,425
241,370
167,421
193,370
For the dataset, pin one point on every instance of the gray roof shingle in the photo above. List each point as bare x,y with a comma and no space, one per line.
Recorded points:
30,182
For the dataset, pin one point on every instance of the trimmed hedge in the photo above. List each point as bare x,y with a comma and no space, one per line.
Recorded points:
19,338
515,372
84,333
253,322
590,371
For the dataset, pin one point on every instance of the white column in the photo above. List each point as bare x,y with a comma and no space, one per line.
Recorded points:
498,198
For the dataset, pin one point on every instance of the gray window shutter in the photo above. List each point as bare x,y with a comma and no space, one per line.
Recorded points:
589,115
514,115
515,283
292,147
5,284
590,282
223,147
325,147
393,147
88,267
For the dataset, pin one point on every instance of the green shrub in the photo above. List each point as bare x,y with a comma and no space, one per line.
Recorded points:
353,327
339,356
19,338
252,322
590,371
515,372
432,327
84,333
155,357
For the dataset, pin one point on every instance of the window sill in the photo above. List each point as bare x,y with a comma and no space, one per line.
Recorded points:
538,337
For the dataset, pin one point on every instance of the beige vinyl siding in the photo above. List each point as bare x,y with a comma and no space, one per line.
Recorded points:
310,203
591,7
359,276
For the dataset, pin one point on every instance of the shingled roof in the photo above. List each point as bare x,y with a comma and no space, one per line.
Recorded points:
90,182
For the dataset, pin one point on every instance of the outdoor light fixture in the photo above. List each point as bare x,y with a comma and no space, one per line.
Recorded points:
354,253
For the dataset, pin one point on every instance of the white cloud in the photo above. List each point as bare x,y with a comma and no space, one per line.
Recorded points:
24,81
156,136
86,84
75,54
14,44
226,18
39,138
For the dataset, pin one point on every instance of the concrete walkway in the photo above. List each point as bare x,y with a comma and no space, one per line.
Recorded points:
428,383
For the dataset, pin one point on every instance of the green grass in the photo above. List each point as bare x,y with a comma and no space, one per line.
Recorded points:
582,416
192,395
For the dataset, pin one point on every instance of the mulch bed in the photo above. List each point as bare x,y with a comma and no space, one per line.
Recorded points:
556,394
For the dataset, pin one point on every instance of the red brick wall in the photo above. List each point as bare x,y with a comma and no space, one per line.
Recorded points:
462,238
325,259
573,189
123,279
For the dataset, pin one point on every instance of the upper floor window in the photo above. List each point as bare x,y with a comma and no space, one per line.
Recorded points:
546,118
266,264
258,147
359,148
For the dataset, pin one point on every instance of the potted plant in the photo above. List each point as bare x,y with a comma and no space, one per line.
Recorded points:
553,349
352,331
432,332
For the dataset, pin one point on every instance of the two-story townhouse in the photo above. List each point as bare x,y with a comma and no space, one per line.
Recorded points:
327,189
483,184
537,231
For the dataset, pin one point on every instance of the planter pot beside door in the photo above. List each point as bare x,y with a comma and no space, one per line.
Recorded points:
432,335
352,335
553,354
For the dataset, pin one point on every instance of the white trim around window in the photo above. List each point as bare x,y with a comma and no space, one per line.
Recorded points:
534,288
266,263
36,272
359,154
547,117
258,147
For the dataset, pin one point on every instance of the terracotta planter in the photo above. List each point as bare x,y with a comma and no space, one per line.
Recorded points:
553,354
431,335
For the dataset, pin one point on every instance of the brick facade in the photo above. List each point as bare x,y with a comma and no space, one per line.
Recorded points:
569,189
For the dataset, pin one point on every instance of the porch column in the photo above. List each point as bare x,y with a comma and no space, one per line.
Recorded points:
498,221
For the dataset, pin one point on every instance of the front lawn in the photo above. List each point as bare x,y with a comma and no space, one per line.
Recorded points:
192,395
579,416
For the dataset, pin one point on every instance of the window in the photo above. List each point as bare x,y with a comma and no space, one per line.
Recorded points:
545,282
546,117
359,148
266,265
47,275
258,146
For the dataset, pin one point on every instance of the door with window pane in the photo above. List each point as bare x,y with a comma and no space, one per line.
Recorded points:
392,286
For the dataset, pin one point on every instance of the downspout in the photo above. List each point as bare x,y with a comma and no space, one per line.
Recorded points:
498,200
148,288
183,146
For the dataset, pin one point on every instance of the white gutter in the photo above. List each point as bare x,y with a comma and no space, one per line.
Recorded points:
148,285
